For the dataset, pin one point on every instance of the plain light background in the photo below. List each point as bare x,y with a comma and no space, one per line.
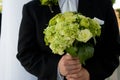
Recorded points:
10,68
117,4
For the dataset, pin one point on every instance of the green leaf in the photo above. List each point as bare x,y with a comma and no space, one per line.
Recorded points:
72,51
84,53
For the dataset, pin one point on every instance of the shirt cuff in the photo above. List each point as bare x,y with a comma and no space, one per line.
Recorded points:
59,76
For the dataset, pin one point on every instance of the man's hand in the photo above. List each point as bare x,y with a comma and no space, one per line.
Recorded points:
82,75
71,68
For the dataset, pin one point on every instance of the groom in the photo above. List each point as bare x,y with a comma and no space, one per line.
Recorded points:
38,59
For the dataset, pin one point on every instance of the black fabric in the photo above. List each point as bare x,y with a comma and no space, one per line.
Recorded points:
39,60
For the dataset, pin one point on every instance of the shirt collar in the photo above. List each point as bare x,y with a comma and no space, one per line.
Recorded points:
68,5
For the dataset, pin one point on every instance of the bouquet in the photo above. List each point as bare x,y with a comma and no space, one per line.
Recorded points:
71,32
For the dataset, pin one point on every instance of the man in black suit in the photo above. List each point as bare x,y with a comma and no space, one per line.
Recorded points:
38,59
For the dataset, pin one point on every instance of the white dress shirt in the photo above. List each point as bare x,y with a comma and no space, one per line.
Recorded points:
68,5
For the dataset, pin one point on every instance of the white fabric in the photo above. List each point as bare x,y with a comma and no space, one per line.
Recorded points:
68,5
101,22
10,68
59,76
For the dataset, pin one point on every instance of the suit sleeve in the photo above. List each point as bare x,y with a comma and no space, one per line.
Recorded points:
36,61
107,50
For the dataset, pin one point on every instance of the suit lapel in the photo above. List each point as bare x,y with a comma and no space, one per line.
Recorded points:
56,9
86,7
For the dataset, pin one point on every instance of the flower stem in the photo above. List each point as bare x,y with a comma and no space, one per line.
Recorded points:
50,7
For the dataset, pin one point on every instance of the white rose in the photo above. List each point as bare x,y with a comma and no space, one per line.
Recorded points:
84,35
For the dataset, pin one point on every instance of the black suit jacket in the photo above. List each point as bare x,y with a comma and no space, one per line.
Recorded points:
38,59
